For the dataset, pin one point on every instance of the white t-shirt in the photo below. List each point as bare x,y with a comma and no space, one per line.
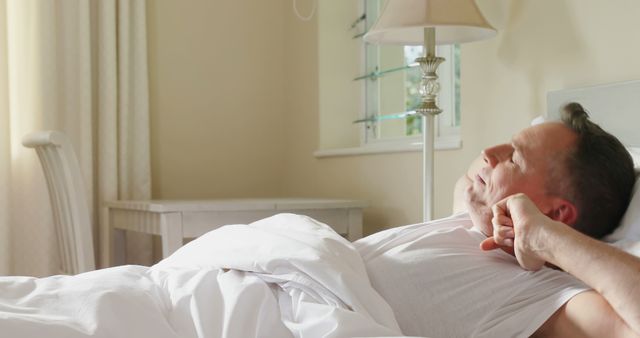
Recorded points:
440,284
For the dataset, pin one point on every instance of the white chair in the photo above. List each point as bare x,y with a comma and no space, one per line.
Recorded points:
68,200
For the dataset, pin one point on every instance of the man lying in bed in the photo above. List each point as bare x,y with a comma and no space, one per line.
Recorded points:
440,282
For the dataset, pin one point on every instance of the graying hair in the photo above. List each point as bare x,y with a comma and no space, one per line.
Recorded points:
597,176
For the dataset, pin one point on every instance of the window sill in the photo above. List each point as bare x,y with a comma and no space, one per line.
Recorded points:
442,143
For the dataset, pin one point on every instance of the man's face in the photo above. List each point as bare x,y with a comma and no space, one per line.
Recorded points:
522,166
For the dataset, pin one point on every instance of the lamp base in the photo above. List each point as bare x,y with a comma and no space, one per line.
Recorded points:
428,108
429,86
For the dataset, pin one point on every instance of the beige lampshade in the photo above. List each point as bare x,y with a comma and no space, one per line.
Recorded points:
403,21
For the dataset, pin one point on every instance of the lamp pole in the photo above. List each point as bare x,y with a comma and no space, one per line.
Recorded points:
428,108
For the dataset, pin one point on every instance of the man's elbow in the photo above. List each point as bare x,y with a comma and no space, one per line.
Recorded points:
586,315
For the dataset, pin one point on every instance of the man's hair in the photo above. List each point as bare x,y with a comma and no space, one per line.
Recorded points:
600,172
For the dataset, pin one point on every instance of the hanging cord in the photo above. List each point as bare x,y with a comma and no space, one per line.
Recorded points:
305,18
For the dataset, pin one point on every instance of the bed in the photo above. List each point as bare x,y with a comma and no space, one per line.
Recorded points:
284,276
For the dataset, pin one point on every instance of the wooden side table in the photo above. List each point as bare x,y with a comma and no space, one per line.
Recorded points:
176,220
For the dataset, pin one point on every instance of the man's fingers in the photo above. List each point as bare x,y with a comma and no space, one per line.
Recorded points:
502,220
489,244
503,234
509,250
502,207
502,227
499,210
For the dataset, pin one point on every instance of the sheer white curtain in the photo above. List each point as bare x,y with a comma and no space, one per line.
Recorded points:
80,67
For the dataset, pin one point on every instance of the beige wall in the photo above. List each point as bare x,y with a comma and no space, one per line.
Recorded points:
226,122
217,98
337,62
543,45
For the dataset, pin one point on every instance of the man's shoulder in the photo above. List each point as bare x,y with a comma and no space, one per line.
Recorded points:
396,236
455,220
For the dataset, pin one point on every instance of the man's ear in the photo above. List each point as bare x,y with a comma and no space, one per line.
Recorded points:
563,211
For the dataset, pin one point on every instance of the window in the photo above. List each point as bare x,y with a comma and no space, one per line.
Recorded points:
391,80
385,89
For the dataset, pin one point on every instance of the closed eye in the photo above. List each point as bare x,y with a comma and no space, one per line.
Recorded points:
512,158
516,160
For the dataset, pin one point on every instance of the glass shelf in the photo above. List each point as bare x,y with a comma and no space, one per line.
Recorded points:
380,73
357,36
398,116
359,20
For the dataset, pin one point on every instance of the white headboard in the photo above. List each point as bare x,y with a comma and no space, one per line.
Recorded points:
615,107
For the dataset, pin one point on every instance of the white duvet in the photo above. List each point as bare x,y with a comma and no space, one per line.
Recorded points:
283,276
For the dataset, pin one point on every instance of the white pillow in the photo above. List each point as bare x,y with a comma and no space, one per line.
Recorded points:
635,155
539,119
632,247
629,228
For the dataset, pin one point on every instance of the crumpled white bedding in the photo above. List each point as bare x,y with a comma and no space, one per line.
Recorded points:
283,276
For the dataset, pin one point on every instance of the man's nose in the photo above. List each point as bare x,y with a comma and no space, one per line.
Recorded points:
493,155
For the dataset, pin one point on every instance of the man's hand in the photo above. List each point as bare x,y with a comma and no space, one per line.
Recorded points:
517,227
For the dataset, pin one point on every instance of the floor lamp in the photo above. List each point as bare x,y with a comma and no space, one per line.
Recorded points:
429,23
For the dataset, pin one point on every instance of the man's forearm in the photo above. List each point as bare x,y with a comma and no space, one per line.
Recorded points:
611,272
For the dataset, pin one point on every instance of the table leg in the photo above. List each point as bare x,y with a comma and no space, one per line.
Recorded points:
171,233
112,241
105,230
354,230
119,247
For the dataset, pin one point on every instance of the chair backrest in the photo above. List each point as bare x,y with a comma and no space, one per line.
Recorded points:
68,200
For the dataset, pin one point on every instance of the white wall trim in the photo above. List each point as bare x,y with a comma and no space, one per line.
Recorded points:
442,143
